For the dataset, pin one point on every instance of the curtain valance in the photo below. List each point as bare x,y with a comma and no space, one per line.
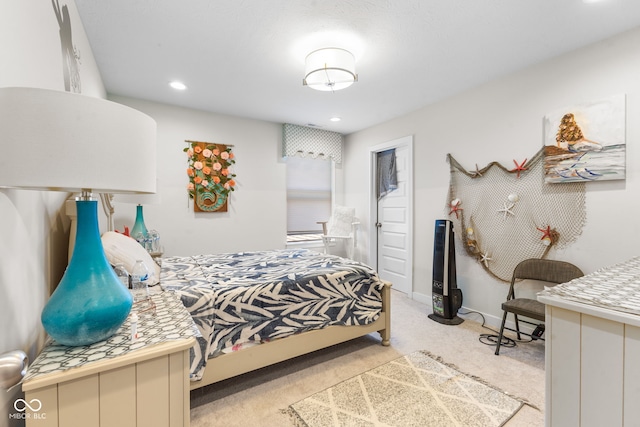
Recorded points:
306,141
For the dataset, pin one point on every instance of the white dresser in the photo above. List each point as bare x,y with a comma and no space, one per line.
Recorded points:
593,349
117,382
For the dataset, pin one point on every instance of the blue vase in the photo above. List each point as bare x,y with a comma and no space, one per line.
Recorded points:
90,303
139,228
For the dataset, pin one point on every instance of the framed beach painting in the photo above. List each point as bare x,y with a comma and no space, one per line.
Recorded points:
586,142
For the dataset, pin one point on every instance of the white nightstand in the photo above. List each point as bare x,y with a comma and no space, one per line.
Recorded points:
117,382
593,348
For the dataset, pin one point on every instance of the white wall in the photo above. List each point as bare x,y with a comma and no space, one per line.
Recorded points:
502,121
256,217
33,231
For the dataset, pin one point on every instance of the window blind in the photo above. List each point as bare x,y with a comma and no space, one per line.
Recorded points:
308,194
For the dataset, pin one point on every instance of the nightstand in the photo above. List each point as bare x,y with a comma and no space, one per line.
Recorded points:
117,382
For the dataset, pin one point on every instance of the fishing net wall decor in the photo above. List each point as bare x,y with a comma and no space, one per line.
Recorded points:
505,216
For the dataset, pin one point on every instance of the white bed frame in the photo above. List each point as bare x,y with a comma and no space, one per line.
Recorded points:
231,364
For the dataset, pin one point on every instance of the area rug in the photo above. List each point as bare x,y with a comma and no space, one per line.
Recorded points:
414,390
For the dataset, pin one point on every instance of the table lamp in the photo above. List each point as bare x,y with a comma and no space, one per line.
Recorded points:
82,144
139,231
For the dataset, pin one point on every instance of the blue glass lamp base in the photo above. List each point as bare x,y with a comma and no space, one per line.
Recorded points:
139,230
90,303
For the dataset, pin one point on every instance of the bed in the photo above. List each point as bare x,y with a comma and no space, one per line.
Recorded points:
254,309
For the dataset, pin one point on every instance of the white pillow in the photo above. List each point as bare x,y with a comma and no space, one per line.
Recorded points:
126,250
341,221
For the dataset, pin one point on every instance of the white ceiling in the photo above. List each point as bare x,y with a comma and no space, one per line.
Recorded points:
246,57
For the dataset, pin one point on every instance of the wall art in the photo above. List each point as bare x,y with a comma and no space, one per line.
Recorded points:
70,54
505,214
210,177
586,142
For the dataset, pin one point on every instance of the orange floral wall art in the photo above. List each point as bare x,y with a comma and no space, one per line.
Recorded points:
210,177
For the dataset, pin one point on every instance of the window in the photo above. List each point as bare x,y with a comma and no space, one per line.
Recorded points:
309,184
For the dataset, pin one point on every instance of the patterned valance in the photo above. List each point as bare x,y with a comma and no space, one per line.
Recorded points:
306,141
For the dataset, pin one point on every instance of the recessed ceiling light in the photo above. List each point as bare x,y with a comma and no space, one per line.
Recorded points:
335,119
178,85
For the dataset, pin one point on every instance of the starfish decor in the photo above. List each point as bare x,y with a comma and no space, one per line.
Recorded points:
476,173
545,232
519,167
507,210
485,259
455,207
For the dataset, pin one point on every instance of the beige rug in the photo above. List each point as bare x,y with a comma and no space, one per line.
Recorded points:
414,390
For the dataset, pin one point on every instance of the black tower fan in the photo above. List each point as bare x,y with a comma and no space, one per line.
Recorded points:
446,296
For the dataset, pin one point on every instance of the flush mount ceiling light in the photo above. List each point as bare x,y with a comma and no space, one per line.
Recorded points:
330,69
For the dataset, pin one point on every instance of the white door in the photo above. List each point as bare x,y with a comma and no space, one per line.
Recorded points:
393,223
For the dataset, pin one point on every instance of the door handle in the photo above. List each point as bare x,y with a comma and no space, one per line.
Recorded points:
378,224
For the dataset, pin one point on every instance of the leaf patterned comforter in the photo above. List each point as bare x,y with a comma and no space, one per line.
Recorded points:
251,297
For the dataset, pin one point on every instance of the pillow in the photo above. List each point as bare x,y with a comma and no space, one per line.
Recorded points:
126,250
341,221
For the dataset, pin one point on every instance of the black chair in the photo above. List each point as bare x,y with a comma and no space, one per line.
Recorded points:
545,270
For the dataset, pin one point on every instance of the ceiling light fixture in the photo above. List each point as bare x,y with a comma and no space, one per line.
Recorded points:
335,119
330,69
178,85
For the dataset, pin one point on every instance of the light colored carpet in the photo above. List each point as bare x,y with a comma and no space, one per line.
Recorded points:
259,398
414,390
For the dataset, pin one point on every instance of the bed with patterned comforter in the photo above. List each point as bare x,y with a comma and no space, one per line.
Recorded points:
241,299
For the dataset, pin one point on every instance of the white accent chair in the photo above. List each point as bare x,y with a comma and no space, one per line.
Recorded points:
339,234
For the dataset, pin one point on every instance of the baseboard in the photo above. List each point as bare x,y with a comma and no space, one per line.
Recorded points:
424,299
490,320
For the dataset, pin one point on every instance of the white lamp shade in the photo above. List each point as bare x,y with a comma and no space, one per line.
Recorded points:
330,69
55,140
139,198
